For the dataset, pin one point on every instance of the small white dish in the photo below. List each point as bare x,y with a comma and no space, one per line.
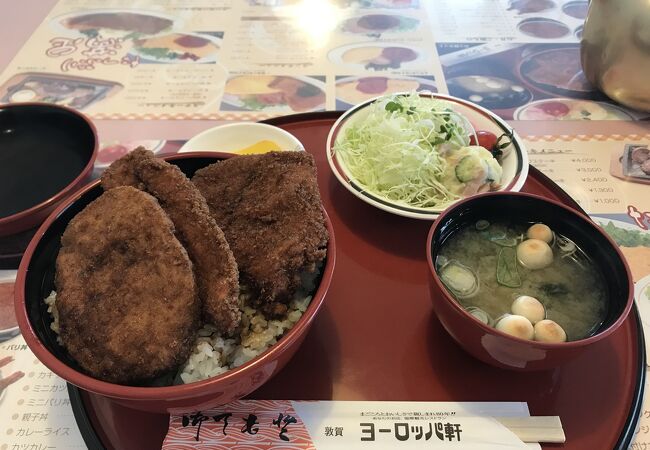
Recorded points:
514,161
243,138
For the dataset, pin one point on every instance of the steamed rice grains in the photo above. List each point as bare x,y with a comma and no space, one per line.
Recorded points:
214,354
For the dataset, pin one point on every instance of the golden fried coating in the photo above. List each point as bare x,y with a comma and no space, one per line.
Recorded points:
121,173
126,295
214,264
270,210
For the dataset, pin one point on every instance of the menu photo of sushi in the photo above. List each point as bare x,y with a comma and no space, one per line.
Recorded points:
376,25
352,90
274,93
380,56
66,90
119,23
178,48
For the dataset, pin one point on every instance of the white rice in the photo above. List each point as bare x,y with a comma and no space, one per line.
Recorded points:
214,354
50,301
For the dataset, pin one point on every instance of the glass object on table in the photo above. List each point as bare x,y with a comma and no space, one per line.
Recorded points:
615,50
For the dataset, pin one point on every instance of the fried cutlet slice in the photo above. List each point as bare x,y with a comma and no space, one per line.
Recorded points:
214,264
126,295
270,210
121,172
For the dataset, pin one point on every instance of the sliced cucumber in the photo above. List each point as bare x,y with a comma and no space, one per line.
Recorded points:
467,168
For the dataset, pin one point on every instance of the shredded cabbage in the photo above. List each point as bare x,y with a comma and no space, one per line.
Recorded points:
396,151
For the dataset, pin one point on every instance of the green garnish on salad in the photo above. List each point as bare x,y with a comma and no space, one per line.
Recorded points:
415,151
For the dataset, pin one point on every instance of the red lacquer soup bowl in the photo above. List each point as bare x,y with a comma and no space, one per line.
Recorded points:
46,153
503,350
35,281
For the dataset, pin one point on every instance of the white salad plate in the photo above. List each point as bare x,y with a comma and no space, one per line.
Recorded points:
514,161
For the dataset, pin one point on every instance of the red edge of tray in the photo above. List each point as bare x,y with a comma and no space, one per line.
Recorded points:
96,415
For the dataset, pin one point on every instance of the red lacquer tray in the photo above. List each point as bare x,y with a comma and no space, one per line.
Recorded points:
377,338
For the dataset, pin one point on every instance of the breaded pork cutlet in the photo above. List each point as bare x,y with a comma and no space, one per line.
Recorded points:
214,264
270,210
126,295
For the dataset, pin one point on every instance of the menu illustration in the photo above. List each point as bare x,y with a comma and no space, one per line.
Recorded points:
250,60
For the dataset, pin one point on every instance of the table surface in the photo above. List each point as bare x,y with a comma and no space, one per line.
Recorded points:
564,150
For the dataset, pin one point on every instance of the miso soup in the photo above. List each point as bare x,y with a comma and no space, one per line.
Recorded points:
486,266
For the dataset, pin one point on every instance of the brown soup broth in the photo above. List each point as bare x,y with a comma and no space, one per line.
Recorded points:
571,289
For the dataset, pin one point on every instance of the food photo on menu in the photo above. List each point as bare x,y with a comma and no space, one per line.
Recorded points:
527,82
274,93
178,48
75,92
352,90
325,224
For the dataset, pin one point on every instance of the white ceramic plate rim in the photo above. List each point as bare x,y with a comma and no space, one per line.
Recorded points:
422,213
188,146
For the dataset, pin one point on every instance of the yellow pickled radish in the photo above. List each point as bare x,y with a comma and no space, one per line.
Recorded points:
263,146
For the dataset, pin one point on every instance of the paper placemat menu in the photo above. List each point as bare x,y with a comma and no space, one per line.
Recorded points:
252,59
35,410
